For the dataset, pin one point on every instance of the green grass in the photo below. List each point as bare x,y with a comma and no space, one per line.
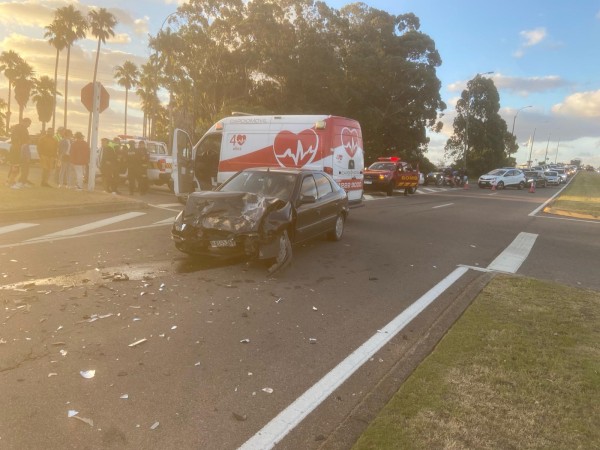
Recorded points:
581,197
519,369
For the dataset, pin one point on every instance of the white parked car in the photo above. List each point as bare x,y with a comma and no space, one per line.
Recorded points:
502,178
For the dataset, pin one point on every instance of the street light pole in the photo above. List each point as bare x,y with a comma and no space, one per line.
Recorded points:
515,118
531,150
546,156
467,123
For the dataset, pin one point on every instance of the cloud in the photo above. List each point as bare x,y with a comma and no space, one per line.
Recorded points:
518,85
580,104
530,38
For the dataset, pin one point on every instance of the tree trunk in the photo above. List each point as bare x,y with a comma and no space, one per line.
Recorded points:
55,89
67,84
8,110
126,100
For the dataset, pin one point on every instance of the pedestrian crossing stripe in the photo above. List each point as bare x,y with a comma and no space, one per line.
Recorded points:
17,227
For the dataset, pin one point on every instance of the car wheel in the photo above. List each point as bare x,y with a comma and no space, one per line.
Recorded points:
500,185
521,185
439,182
412,190
390,189
284,254
338,229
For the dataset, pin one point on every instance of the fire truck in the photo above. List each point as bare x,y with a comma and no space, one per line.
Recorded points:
390,173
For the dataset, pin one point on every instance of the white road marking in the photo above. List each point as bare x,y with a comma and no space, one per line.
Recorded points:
89,226
442,206
17,227
515,254
287,420
166,221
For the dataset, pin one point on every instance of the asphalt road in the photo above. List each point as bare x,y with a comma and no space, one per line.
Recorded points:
193,354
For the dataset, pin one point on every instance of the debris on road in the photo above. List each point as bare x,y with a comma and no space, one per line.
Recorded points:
155,425
133,344
267,390
239,417
245,341
88,373
124,396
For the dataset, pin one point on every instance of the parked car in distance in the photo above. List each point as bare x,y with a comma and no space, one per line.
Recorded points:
502,178
259,213
552,178
5,149
562,174
435,178
536,177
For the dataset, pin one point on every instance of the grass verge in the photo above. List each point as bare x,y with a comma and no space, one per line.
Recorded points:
519,369
580,198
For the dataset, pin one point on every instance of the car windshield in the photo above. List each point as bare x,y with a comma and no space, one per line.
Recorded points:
267,184
382,166
497,172
552,174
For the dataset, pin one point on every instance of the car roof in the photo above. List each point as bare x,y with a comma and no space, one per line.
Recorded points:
290,170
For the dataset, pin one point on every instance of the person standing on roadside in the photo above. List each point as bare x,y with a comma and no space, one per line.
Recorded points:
109,165
133,165
48,151
65,178
19,137
143,167
80,158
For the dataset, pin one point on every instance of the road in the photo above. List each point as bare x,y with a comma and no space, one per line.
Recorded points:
195,354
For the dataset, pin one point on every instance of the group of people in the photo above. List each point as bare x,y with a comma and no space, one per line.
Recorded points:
67,156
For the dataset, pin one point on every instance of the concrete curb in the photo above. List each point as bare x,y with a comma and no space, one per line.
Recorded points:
70,210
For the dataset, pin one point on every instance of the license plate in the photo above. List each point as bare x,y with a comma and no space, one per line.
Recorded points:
368,182
223,243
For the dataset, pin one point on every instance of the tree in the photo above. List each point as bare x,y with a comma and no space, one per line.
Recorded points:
43,96
479,130
23,84
11,62
2,114
147,92
127,76
56,38
102,24
74,26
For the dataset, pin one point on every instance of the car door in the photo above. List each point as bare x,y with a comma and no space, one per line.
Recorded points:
183,163
308,219
328,202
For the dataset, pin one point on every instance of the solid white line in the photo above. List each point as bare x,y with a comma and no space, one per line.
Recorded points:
16,227
515,254
543,205
165,221
442,206
286,420
89,226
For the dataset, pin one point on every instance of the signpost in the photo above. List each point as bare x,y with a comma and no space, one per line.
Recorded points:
95,98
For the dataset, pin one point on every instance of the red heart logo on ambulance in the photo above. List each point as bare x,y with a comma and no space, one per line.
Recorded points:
240,139
295,150
350,141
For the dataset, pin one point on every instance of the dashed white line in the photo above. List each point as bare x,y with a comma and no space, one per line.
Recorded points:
16,227
442,206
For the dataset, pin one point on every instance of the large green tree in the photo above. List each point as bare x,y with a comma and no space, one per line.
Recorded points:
73,26
479,130
56,36
102,26
127,76
43,95
23,85
12,66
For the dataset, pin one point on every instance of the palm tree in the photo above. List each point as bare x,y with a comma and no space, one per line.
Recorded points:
102,25
2,115
127,76
10,61
56,38
74,26
147,92
23,85
43,96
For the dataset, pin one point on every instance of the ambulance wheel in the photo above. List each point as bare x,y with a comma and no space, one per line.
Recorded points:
338,229
390,189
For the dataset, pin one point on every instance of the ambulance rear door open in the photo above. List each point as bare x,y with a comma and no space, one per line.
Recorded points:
183,164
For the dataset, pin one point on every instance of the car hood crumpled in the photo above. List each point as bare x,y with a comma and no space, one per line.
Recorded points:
235,212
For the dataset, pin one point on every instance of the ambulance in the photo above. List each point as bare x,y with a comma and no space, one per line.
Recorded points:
320,142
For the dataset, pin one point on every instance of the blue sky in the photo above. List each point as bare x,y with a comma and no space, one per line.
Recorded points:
542,53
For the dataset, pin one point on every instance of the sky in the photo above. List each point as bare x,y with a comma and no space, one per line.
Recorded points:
543,54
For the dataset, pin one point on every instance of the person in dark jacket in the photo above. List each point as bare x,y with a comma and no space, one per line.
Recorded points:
142,179
109,166
19,137
133,163
79,158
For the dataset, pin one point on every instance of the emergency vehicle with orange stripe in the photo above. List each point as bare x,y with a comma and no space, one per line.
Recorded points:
390,173
332,144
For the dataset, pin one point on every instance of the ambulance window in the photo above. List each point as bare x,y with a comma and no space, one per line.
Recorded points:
323,185
309,187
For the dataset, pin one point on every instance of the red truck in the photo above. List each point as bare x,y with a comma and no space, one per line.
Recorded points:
390,173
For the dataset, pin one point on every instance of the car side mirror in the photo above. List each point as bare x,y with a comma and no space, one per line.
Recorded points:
307,199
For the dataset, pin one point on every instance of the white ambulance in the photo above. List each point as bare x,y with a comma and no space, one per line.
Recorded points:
328,143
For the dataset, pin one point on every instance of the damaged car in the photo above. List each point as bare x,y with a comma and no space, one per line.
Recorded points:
260,213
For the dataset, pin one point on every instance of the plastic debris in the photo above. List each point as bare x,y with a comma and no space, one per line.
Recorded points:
124,396
155,425
72,413
197,364
133,344
312,340
63,352
90,422
267,390
240,417
120,277
245,341
174,327
52,374
88,373
315,308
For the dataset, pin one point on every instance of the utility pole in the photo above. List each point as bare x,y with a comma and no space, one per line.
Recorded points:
531,150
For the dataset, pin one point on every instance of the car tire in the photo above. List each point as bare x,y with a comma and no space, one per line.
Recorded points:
338,229
521,185
439,182
500,185
412,190
284,253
